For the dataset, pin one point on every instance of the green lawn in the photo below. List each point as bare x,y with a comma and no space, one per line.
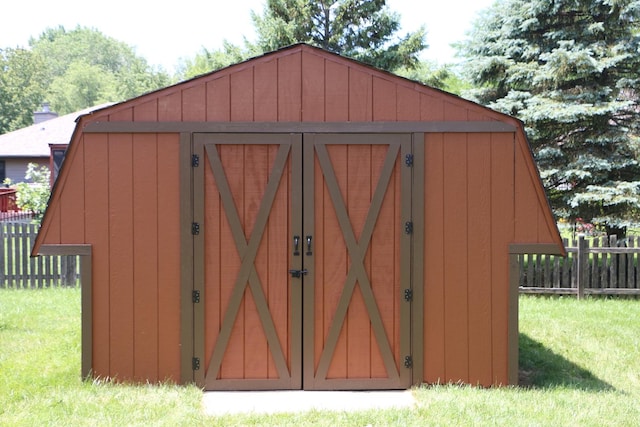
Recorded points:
579,359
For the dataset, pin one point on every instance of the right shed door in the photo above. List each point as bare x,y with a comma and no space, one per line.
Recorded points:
357,211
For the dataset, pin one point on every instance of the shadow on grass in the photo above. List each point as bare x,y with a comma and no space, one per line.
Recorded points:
542,368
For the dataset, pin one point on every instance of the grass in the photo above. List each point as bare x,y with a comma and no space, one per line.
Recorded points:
580,365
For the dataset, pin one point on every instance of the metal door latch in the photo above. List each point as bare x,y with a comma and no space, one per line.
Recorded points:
298,273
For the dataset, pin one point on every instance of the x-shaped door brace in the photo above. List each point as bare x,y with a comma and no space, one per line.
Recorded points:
247,253
357,251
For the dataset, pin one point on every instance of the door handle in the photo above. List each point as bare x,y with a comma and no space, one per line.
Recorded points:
298,273
296,243
309,245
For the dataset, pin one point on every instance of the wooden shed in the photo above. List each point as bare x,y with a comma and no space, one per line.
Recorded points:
299,220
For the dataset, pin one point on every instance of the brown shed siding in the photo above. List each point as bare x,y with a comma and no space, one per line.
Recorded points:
121,196
297,85
120,193
475,193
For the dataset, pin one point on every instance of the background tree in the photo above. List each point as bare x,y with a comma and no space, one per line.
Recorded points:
569,70
22,87
209,60
84,67
364,30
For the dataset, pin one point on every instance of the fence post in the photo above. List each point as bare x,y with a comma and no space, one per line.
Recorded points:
583,259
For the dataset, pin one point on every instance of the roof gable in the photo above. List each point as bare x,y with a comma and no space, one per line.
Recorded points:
299,83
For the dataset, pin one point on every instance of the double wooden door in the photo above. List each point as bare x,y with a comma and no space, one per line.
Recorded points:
302,260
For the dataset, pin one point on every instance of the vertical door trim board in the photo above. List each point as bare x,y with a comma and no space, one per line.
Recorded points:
417,257
296,262
308,294
187,324
406,261
86,289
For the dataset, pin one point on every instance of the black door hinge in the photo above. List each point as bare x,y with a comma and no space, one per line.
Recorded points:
408,160
195,363
195,297
408,227
195,228
195,161
408,362
408,294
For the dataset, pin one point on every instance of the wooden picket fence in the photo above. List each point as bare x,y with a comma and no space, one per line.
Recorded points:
598,265
19,270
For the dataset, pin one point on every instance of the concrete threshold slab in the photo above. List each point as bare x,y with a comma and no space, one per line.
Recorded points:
269,402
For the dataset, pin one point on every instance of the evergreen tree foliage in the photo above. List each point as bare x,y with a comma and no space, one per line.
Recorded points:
364,30
569,69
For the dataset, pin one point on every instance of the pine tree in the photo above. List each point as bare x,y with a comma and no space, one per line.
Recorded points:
569,69
360,29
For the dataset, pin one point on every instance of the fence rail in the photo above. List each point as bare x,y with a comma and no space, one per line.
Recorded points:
19,270
599,265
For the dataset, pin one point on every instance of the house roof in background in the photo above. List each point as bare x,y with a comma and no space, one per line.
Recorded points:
34,140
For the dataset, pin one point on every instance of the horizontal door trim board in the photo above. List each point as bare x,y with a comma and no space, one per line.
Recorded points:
300,127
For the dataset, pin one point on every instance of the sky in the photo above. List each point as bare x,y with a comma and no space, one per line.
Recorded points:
164,32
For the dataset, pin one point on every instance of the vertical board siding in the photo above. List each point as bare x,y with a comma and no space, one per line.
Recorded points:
360,96
232,158
278,234
193,104
434,269
468,199
72,204
122,198
147,112
502,229
313,88
241,90
255,342
266,93
121,227
456,279
479,257
336,259
384,100
290,88
219,99
145,262
168,240
336,77
357,195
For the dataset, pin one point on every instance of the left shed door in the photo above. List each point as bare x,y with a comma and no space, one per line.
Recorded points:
245,189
